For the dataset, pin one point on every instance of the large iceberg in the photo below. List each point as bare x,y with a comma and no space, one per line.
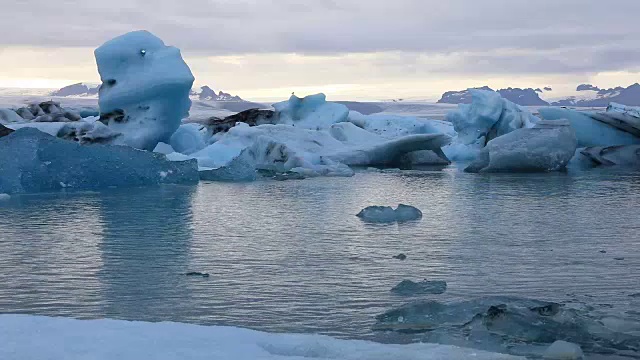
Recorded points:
311,112
145,89
127,340
590,129
32,161
488,117
625,155
549,146
283,148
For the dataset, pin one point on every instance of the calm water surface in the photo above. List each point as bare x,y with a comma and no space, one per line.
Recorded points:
292,257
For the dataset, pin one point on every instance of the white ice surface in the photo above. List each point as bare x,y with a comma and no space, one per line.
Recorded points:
325,152
36,338
311,112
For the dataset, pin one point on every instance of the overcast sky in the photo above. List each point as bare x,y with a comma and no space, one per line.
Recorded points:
347,48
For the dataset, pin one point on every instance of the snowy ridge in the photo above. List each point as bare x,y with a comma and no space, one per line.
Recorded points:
68,339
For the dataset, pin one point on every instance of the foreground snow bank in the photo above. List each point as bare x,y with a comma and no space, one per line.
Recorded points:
68,339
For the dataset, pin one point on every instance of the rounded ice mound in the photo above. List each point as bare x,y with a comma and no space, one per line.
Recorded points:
145,88
562,350
406,213
386,214
378,214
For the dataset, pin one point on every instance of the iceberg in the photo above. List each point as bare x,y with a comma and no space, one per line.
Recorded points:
145,89
282,148
625,155
589,131
8,116
488,117
188,139
32,161
310,112
129,340
549,146
386,214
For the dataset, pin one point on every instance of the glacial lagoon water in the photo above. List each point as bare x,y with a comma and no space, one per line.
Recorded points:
292,256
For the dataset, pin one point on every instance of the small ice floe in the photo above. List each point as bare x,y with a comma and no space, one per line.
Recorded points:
410,288
386,214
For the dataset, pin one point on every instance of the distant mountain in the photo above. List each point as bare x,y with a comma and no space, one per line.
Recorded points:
602,97
524,97
79,89
208,94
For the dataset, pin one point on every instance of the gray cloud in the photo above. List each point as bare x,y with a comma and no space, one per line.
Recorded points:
504,36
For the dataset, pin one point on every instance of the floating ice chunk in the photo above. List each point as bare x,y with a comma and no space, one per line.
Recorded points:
282,148
147,85
406,213
188,139
625,155
5,197
488,117
311,112
410,288
32,161
549,146
241,168
589,131
8,116
386,214
562,350
129,340
378,214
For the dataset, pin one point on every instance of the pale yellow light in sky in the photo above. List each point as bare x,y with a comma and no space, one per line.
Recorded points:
266,77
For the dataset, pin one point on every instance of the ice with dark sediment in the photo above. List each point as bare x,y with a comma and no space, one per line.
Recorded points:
504,324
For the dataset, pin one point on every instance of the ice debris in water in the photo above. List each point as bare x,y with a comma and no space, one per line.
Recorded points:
410,288
32,161
386,214
549,146
499,323
562,350
145,89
